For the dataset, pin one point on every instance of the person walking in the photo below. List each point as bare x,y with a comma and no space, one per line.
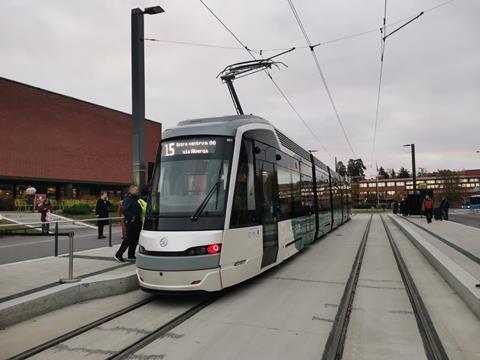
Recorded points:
445,206
428,208
101,211
132,212
45,210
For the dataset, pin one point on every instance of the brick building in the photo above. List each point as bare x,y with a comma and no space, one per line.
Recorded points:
65,147
464,183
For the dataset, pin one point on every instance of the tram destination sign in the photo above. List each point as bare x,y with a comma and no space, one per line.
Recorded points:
189,147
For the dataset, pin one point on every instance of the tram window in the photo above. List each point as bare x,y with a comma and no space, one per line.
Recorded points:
298,209
285,192
307,195
244,209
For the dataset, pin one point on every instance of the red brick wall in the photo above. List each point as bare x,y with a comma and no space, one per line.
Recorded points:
50,136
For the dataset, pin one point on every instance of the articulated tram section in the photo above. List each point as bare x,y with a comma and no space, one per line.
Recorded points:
381,286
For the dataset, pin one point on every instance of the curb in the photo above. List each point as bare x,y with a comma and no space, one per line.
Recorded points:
459,279
42,302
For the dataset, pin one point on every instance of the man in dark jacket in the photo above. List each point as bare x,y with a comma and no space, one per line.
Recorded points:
132,213
101,211
445,206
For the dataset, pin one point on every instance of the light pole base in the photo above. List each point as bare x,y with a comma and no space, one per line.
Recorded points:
68,281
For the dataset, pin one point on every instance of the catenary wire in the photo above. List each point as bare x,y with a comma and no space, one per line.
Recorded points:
279,89
322,75
334,40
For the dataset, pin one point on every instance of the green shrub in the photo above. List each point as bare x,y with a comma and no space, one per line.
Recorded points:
78,209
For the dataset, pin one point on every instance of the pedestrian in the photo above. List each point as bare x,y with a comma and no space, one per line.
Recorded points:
101,212
45,210
445,206
428,208
395,207
30,192
132,212
122,219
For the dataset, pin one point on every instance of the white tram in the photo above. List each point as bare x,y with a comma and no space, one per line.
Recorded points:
230,198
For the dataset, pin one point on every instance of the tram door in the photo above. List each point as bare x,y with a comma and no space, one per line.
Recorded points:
268,211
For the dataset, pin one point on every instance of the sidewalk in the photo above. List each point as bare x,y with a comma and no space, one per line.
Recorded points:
464,236
24,277
25,217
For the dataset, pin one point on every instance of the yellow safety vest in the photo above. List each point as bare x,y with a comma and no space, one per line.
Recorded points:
143,206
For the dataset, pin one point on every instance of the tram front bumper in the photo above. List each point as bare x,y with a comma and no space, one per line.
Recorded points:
197,280
179,273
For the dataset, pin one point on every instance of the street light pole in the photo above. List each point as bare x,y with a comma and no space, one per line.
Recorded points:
138,93
414,171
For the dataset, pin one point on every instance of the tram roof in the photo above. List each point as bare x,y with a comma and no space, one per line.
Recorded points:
222,126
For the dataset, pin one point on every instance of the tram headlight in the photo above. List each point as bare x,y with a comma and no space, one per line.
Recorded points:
141,249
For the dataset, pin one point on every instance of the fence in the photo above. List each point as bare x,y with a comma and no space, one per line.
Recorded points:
4,230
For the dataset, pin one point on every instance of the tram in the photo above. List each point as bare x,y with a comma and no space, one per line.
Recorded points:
231,197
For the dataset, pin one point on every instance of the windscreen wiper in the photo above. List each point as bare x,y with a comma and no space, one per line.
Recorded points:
204,203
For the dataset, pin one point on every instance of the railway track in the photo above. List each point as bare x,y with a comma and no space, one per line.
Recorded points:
130,348
334,348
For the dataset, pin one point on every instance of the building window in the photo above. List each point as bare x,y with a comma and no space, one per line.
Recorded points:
381,184
372,185
473,179
409,182
399,183
430,181
391,183
390,193
363,185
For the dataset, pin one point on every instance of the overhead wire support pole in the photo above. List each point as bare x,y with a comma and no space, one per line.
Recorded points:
384,37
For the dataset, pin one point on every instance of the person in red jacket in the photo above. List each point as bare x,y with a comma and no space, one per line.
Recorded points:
44,211
428,208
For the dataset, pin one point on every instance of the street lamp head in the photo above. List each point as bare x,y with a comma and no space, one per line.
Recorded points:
407,145
312,151
153,10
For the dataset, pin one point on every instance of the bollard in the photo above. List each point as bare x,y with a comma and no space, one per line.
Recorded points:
70,278
110,232
56,238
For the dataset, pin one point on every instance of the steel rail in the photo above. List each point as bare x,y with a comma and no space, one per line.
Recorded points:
128,351
71,334
336,339
432,344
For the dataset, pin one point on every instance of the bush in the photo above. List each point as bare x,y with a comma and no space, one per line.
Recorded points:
78,209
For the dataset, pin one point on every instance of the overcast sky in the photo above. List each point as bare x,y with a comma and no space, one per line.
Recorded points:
431,85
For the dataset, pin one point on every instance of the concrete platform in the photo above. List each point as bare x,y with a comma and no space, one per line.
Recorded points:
459,272
30,288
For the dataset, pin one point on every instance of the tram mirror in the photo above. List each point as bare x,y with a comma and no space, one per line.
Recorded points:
278,157
257,150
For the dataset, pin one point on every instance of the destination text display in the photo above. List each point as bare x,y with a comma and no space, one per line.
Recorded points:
189,147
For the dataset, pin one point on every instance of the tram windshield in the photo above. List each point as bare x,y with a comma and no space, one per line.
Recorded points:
192,170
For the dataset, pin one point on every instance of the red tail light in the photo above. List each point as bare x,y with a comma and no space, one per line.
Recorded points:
213,249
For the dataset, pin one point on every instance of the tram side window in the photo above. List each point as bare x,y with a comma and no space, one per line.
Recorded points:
323,192
298,209
285,192
244,209
307,194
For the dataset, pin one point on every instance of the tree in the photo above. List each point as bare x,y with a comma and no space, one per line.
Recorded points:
403,173
355,169
423,172
341,168
382,174
392,173
451,185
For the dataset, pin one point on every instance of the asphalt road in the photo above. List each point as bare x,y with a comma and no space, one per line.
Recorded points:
19,248
470,219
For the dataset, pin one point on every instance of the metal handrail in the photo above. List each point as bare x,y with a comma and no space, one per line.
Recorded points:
57,221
